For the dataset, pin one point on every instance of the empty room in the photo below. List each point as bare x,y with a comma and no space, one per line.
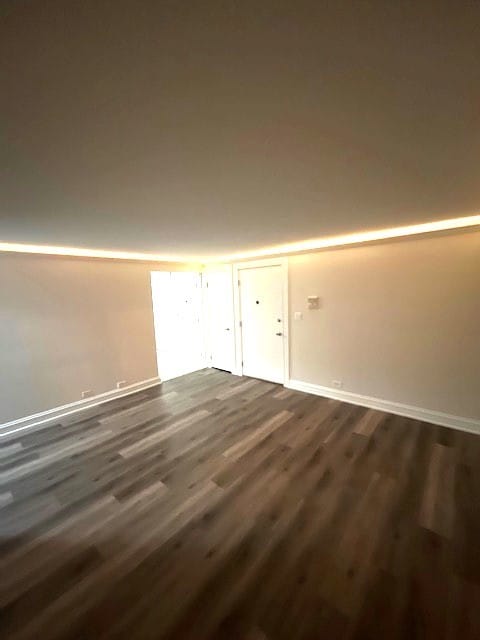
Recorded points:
239,320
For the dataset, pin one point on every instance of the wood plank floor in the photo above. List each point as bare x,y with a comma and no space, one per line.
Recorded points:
222,507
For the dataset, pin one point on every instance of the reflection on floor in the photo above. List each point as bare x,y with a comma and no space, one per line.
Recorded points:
221,507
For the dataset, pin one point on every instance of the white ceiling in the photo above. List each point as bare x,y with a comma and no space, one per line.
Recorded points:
214,127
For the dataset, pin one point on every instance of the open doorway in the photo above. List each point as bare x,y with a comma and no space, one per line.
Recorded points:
177,313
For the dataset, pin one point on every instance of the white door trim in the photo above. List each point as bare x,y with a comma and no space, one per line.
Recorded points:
252,264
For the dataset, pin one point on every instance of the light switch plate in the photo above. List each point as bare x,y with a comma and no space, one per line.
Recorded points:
298,315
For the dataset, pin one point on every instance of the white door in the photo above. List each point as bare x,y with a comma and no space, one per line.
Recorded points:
261,311
220,323
177,312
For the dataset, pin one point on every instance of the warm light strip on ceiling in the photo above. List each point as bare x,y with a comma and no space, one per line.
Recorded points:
90,253
355,238
290,248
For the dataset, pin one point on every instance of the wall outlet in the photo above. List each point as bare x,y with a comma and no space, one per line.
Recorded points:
337,383
87,394
121,384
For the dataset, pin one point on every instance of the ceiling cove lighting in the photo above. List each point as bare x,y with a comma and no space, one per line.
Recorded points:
90,253
283,249
317,244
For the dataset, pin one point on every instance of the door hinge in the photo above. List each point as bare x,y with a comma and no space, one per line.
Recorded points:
240,323
238,282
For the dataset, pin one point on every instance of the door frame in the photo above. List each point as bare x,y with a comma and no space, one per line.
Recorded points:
253,264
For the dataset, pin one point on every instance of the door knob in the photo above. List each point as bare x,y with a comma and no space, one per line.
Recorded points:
227,329
278,334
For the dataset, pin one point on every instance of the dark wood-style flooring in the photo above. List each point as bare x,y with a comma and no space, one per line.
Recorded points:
222,507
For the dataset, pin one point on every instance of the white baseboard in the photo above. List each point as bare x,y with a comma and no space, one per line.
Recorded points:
417,413
44,418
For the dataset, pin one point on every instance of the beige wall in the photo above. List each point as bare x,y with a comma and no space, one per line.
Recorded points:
399,321
67,325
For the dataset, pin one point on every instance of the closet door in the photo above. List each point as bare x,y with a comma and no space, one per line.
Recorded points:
220,324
